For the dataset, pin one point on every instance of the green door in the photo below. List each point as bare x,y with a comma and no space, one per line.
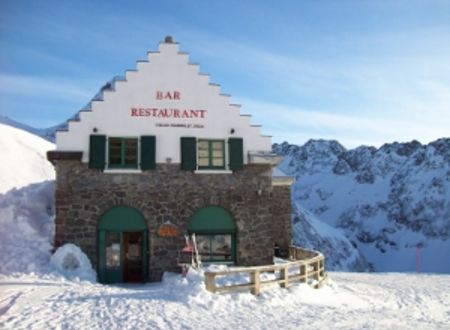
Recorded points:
122,246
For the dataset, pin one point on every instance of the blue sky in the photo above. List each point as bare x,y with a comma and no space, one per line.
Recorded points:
361,72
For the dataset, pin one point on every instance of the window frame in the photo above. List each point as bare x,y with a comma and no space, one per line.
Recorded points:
205,233
123,150
210,165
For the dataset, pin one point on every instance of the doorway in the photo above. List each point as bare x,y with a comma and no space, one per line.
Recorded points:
122,246
133,268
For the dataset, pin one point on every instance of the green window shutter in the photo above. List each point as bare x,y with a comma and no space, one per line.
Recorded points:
97,151
188,153
236,153
148,152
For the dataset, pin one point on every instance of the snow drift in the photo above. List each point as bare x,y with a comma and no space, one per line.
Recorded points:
26,207
23,159
73,263
27,225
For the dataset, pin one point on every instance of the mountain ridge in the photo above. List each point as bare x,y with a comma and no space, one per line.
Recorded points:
392,201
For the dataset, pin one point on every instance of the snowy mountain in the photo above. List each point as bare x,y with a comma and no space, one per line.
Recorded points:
24,159
392,203
340,254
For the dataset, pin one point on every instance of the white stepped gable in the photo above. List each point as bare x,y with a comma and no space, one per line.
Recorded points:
167,97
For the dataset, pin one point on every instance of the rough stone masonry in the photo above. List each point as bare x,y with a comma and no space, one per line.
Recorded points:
262,212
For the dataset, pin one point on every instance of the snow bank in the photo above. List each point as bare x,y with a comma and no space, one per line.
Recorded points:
27,226
23,159
72,263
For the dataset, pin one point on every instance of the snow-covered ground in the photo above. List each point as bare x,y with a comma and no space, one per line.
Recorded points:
349,301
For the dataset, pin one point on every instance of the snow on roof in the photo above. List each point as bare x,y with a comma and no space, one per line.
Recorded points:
276,172
279,178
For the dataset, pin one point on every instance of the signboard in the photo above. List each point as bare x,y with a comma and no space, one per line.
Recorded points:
169,113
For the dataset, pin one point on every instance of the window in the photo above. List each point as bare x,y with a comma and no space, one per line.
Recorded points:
211,154
215,234
216,248
123,152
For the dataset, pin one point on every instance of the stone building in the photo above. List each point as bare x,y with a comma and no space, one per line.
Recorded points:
159,154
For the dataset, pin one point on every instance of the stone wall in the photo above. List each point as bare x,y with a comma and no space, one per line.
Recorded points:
281,213
169,194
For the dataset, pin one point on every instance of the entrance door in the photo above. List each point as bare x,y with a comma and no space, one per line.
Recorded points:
133,270
122,246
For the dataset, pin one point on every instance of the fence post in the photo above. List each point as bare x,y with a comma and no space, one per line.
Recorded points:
303,272
254,277
210,282
284,275
316,270
322,267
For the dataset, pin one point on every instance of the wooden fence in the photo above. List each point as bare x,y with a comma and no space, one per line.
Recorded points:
302,266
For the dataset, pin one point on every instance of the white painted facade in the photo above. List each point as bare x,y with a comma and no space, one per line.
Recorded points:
167,71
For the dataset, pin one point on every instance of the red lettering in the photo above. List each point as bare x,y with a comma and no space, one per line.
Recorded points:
164,113
167,113
172,95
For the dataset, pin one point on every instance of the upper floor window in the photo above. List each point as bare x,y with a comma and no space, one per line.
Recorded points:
123,152
211,154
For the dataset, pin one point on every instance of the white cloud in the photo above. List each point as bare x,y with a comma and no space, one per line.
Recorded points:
297,125
43,87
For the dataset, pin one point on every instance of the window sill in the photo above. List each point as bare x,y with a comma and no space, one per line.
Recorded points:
213,172
122,171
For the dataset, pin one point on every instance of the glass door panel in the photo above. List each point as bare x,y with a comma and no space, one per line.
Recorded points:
113,252
134,266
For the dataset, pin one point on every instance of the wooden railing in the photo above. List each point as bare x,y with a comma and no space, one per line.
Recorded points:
302,266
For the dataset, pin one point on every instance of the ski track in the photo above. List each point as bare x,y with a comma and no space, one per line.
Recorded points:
349,301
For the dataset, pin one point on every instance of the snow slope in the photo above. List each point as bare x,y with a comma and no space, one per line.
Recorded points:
392,203
310,232
23,159
350,301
